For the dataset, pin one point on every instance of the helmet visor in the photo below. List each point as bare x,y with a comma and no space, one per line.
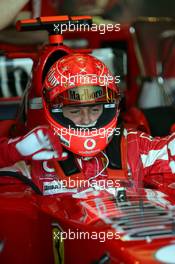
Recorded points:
102,102
86,95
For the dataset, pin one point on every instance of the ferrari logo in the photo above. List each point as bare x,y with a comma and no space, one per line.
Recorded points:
58,245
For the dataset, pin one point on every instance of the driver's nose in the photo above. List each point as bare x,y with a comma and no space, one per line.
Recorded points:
85,117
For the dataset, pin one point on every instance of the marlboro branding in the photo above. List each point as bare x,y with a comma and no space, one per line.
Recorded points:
85,94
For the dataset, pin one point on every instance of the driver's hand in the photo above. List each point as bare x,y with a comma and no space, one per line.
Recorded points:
171,155
39,144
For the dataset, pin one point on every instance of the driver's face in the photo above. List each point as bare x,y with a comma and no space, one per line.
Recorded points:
83,115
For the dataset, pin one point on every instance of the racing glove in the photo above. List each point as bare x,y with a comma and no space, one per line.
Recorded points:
171,155
39,144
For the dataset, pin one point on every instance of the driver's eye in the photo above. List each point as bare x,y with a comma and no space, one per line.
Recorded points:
95,109
74,112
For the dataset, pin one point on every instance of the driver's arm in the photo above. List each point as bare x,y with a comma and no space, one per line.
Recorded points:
38,144
157,153
9,9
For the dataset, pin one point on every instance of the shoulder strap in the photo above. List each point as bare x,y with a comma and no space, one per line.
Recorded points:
120,174
113,150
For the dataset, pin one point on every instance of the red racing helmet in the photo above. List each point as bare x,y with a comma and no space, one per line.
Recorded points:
80,80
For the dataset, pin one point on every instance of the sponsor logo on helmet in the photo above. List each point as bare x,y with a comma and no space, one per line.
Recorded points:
85,94
52,79
89,143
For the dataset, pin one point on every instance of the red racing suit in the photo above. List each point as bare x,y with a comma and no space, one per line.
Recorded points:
146,158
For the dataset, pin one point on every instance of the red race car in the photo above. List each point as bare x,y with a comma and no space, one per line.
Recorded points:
80,225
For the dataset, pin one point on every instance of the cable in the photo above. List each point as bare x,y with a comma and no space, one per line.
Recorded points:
107,163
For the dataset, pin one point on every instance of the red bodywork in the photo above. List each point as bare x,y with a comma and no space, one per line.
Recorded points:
30,226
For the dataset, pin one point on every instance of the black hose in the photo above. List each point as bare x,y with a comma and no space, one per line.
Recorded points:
22,178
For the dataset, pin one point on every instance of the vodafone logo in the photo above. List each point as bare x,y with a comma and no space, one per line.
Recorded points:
89,144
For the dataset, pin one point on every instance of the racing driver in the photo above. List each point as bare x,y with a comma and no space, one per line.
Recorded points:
83,138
